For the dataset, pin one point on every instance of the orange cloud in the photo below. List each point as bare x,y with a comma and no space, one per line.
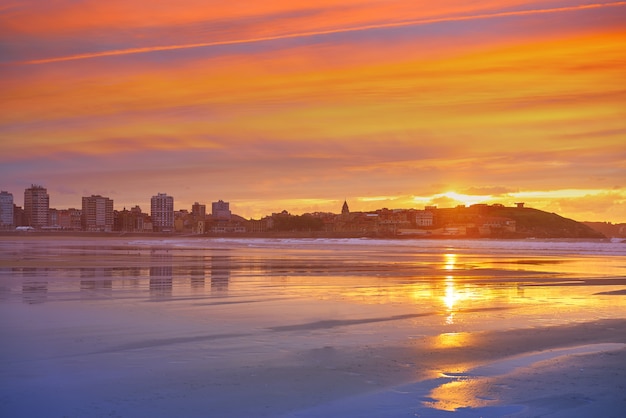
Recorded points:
540,91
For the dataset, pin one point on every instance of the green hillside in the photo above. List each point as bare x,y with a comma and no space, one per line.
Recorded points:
542,224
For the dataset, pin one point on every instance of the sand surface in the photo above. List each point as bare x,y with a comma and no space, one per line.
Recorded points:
238,328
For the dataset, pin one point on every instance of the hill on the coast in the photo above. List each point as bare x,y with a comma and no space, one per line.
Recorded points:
544,224
529,222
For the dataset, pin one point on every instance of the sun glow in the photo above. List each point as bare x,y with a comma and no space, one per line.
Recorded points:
450,198
465,199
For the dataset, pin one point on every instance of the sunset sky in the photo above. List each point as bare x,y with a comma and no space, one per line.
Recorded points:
298,105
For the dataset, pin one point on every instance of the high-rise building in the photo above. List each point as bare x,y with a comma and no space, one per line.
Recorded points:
97,213
162,212
6,210
221,210
36,206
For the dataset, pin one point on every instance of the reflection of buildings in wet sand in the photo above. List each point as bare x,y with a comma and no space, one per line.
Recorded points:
95,282
168,271
34,292
197,274
220,272
161,274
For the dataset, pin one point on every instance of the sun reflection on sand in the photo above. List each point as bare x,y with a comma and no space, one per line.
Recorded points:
450,299
462,392
453,339
450,261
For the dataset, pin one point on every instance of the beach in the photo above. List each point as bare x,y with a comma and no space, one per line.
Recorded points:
216,327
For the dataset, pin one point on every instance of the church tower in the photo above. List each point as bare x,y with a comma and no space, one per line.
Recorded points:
344,209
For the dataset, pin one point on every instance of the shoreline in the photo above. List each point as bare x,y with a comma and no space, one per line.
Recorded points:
280,235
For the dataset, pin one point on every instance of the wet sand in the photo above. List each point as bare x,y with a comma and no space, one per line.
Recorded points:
371,329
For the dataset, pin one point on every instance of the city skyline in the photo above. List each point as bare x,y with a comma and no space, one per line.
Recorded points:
274,105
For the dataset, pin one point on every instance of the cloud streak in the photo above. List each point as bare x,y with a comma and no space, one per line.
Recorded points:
307,34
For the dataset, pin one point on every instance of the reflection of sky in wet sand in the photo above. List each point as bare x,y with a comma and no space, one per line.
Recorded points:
359,282
450,288
463,390
228,304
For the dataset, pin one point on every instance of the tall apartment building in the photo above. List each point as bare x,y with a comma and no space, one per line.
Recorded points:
221,210
162,212
36,206
6,210
97,213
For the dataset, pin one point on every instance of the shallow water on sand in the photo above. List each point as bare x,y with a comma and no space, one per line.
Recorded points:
232,327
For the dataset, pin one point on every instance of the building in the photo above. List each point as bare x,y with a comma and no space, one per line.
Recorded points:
221,210
97,213
70,219
19,217
345,210
493,225
6,210
424,218
53,219
143,223
36,206
198,212
162,212
133,220
182,221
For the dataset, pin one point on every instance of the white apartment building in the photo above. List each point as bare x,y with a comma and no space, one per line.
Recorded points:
162,212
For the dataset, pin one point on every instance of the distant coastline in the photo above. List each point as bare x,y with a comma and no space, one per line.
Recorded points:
474,222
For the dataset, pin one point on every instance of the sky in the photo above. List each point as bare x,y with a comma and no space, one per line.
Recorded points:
280,105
